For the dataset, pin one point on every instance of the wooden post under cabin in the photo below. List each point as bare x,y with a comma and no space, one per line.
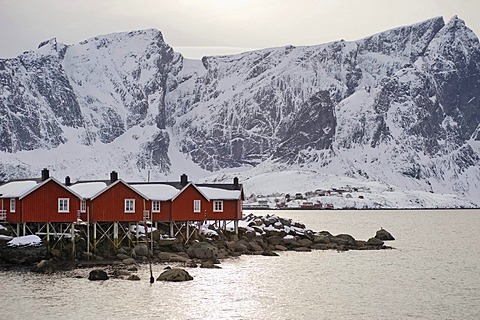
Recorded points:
48,237
95,236
72,231
115,234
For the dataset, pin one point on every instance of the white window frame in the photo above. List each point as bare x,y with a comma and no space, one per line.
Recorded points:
218,206
197,206
13,205
63,205
155,206
83,205
129,206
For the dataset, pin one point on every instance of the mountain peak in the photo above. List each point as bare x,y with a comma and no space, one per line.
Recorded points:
400,107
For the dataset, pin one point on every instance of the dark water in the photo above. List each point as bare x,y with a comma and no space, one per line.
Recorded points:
434,273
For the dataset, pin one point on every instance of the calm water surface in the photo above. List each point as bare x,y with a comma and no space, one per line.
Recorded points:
434,273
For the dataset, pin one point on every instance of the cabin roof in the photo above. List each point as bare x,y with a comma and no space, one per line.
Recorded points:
88,189
157,191
220,193
15,189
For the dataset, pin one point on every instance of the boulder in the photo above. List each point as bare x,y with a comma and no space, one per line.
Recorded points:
279,247
321,238
269,253
202,250
129,261
275,239
375,242
122,256
172,257
141,250
44,266
254,246
175,275
133,277
209,265
346,239
384,235
304,242
240,247
97,274
118,273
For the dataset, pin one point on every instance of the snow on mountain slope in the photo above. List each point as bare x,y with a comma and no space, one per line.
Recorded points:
401,107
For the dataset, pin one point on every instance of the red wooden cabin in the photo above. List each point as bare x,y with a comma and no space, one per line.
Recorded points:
118,202
46,201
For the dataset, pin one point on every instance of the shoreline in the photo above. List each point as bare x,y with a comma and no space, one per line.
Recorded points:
258,235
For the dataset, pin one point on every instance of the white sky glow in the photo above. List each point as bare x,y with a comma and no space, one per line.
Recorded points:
207,27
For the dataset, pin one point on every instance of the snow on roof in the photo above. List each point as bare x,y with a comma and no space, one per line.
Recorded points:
16,189
220,194
31,240
161,192
88,189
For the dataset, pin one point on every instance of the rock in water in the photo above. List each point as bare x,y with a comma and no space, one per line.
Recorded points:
97,274
202,250
44,266
175,275
384,235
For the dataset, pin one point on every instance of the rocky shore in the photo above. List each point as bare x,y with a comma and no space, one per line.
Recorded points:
258,235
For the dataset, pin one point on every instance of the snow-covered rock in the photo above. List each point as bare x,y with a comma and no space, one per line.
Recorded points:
401,107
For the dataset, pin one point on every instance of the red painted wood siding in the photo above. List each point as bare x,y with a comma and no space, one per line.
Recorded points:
12,216
42,205
165,212
230,210
109,206
182,206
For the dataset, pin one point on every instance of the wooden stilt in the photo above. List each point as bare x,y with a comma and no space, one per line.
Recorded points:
172,234
115,234
48,237
95,237
72,234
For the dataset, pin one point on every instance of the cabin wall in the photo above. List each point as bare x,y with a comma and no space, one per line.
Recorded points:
165,212
182,206
42,205
230,210
109,206
11,216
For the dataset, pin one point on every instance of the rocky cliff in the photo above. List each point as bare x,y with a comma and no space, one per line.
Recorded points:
401,106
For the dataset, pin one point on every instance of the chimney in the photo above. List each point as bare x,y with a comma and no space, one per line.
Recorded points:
184,180
45,174
67,181
113,176
235,183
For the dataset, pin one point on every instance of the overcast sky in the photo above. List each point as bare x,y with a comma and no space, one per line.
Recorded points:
204,27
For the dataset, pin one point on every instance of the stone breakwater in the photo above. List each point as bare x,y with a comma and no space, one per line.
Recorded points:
257,235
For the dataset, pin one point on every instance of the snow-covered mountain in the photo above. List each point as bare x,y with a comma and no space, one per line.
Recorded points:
401,107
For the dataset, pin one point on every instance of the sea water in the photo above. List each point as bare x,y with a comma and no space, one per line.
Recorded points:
433,273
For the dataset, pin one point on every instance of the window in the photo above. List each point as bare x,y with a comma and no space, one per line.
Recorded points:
155,206
12,205
83,205
63,205
129,205
196,205
218,206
